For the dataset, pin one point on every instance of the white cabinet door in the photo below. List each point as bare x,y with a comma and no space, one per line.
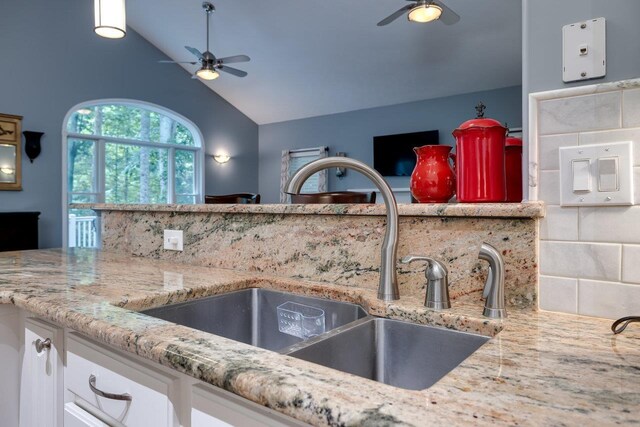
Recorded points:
214,407
41,390
10,349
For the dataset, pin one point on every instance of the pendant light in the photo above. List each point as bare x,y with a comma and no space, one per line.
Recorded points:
111,20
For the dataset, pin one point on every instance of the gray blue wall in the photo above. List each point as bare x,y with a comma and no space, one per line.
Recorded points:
353,132
542,43
51,60
542,37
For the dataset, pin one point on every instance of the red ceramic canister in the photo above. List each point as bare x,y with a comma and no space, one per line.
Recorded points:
480,164
513,168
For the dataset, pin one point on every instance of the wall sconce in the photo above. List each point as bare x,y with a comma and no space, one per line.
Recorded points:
221,158
110,18
340,172
32,144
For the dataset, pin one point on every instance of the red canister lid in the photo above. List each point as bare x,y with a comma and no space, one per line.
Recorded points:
512,141
480,123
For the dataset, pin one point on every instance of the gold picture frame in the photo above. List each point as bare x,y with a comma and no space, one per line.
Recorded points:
10,152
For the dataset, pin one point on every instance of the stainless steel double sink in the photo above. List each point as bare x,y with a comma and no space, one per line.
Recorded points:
335,334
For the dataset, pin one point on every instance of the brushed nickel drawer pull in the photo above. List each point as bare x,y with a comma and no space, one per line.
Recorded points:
42,345
92,385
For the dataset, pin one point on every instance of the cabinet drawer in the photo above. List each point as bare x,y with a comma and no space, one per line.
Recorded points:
131,393
75,416
213,407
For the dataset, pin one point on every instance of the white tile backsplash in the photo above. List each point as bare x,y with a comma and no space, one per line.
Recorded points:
580,113
549,190
617,135
610,224
631,108
581,260
548,149
589,257
559,224
607,299
558,294
631,263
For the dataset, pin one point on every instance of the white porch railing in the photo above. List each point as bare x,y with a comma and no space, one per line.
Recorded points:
82,231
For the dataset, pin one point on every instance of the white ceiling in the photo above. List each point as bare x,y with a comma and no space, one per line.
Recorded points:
311,58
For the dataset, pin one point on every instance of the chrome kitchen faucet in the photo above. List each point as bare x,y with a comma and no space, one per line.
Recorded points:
388,286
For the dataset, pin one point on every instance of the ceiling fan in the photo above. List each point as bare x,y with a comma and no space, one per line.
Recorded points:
423,11
209,64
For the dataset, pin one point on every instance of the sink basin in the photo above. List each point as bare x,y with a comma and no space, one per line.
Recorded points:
251,316
400,354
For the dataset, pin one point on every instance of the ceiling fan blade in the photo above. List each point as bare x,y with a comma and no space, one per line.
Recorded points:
194,51
397,14
448,16
234,59
177,62
234,71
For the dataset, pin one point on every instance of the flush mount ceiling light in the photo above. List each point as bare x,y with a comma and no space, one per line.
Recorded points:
209,64
423,11
221,158
111,21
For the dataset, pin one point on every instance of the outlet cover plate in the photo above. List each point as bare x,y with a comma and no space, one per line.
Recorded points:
584,50
173,240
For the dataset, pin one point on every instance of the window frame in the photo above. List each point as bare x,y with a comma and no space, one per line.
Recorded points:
287,155
99,160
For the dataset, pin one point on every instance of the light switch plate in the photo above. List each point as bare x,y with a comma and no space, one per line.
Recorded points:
173,240
598,156
584,50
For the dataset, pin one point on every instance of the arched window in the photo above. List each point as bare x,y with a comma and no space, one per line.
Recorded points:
121,151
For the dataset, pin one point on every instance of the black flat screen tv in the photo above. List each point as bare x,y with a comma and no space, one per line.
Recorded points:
393,155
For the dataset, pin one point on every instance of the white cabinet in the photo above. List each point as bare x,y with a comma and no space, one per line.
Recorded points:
41,380
10,349
116,389
213,407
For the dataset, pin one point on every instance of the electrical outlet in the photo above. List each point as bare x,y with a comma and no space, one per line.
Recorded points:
173,240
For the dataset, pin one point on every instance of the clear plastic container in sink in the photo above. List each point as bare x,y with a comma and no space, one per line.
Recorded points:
300,320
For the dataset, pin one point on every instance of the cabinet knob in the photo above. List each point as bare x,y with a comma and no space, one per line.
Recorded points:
43,345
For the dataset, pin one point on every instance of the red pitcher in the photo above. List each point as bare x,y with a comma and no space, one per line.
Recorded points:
433,180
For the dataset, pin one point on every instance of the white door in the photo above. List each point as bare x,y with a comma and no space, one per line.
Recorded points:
41,391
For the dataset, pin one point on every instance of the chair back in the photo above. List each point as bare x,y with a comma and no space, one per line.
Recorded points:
241,198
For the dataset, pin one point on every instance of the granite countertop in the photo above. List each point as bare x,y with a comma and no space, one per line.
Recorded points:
540,369
501,210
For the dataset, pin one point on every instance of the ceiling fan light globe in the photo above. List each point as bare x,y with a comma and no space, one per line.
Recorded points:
424,13
207,74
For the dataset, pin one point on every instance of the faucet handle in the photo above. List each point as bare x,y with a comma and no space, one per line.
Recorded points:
437,282
435,269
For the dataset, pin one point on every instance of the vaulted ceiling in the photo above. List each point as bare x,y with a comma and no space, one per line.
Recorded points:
311,58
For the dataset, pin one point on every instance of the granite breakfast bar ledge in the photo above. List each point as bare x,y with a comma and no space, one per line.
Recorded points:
501,210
